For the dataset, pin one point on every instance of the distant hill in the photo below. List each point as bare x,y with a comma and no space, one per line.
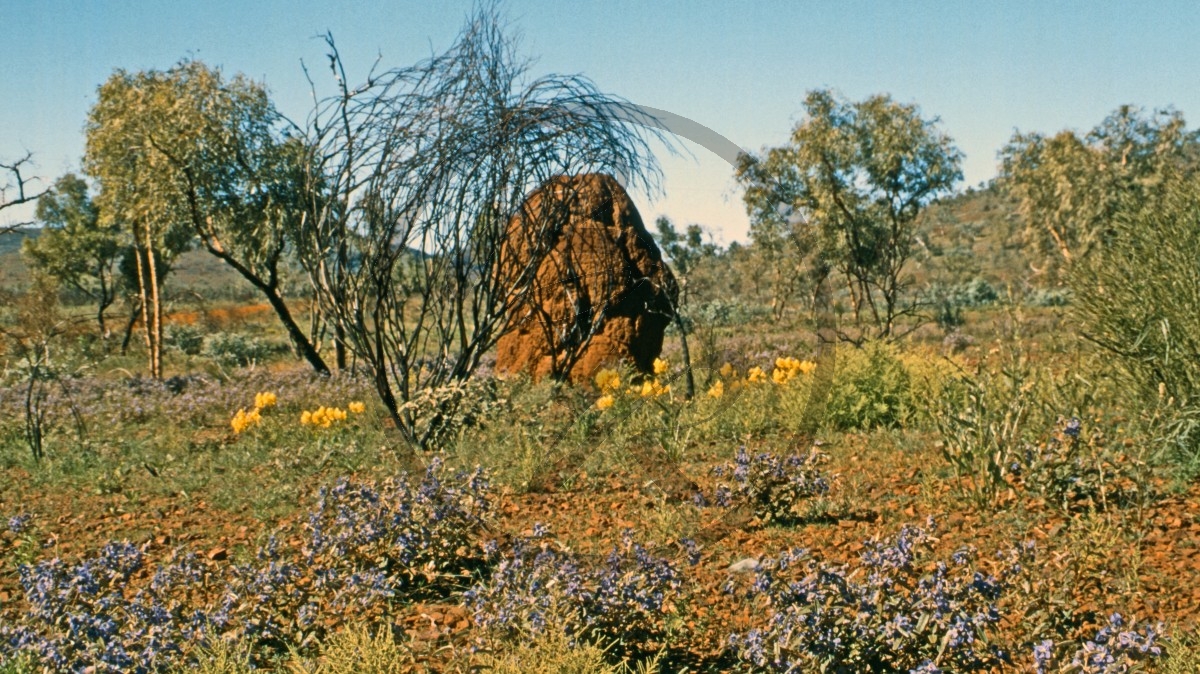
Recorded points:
976,233
196,272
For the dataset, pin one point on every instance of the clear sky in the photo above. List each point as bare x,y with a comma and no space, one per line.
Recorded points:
740,68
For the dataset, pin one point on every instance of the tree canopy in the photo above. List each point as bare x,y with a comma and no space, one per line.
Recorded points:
1070,186
847,189
74,247
186,153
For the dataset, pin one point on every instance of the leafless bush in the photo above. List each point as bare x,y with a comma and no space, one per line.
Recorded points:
412,178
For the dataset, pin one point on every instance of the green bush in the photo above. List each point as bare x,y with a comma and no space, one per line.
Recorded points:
871,389
234,348
187,339
983,428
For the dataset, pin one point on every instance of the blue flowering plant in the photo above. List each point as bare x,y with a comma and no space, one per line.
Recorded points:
893,612
772,487
80,617
622,601
1113,650
1080,469
368,546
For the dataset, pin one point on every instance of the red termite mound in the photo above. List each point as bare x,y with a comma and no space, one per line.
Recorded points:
598,291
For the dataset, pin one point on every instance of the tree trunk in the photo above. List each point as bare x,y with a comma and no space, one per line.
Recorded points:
271,290
339,345
154,333
689,379
306,348
133,317
144,296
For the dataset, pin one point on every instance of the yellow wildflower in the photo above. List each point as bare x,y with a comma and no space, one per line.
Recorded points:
608,380
264,400
323,416
357,407
244,420
717,389
661,366
647,389
728,371
756,375
604,402
787,367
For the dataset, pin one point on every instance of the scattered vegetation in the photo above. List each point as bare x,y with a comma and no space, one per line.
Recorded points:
335,480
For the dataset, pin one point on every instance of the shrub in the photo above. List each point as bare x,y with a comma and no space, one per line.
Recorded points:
187,339
886,615
234,348
983,427
772,487
439,415
871,389
1111,651
1138,295
368,545
79,617
1079,469
622,601
554,653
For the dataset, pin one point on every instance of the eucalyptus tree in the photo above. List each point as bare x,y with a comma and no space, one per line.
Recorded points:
1070,186
74,247
186,153
414,175
847,190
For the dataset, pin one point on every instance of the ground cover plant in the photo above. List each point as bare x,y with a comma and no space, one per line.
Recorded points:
652,558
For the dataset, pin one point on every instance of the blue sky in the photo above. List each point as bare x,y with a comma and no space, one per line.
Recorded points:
740,68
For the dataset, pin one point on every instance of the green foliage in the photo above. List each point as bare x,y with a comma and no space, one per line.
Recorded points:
1138,297
871,389
356,650
552,652
75,248
847,191
235,348
186,339
1069,186
185,153
983,427
1079,469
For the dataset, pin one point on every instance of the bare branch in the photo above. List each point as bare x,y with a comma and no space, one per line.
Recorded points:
15,181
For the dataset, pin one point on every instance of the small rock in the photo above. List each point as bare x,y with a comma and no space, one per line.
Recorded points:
745,566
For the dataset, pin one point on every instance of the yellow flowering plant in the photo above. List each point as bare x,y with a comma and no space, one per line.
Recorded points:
322,417
788,368
356,407
608,380
244,420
